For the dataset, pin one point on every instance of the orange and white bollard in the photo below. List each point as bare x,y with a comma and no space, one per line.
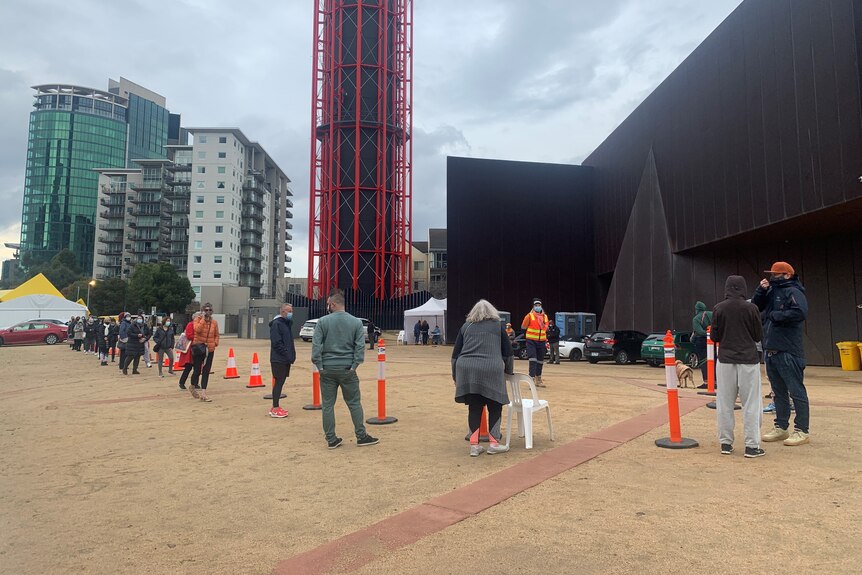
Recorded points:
315,390
381,418
676,440
710,365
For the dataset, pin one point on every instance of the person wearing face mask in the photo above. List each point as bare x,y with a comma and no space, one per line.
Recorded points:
90,336
135,345
163,345
536,324
113,331
206,334
282,354
783,309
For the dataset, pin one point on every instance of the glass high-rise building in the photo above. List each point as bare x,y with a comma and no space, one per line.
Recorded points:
73,131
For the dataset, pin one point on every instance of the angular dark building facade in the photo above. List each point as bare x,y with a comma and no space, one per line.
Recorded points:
749,152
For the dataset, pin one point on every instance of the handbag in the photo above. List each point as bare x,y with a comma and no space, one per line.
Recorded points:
183,344
199,350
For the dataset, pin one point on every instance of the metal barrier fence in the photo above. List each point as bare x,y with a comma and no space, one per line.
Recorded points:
386,314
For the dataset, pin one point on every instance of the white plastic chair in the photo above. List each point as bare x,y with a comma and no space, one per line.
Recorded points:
524,407
400,340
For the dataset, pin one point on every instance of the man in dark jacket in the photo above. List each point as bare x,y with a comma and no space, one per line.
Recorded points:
783,309
736,327
553,335
135,346
372,335
282,354
702,319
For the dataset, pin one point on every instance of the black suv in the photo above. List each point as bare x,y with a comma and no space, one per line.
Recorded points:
622,346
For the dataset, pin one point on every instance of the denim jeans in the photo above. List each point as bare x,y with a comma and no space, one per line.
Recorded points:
348,381
785,373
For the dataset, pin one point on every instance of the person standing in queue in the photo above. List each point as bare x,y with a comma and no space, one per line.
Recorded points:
207,339
282,354
536,324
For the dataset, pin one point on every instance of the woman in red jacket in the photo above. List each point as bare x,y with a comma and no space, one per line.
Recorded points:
184,359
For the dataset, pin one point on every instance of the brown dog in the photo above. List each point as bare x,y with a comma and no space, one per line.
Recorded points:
684,375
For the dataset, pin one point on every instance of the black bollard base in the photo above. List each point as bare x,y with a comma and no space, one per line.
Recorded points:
379,421
712,394
736,406
312,407
666,443
269,396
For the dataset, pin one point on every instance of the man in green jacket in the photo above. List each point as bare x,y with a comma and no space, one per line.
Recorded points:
702,319
337,349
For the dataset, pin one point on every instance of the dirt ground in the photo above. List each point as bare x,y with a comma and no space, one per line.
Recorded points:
109,474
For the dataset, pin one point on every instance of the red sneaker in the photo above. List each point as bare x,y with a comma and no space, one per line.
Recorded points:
277,412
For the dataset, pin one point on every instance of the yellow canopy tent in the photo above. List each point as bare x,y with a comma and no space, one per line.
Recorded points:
37,285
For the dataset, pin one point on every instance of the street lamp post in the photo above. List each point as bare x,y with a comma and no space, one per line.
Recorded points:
90,284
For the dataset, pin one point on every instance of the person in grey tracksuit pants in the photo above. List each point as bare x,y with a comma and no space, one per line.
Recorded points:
737,328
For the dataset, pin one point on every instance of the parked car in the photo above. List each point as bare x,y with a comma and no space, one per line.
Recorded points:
519,347
572,347
652,349
46,320
33,332
306,332
622,346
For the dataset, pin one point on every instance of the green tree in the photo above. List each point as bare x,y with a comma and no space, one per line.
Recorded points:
61,271
107,297
160,286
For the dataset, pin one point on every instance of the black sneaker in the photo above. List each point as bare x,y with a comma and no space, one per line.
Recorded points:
334,443
367,440
183,388
754,452
727,449
702,386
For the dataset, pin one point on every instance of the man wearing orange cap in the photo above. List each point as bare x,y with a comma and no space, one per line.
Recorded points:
783,309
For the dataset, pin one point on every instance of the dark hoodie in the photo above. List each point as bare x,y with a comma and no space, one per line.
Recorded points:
783,308
736,325
702,319
281,348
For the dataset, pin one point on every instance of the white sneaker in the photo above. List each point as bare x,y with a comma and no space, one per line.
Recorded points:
497,448
476,450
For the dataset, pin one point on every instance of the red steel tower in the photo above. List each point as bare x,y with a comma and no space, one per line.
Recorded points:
361,153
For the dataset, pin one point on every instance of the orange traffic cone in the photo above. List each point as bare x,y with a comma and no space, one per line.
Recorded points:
177,365
167,361
255,380
230,372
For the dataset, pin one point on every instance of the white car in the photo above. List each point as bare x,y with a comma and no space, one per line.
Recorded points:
306,332
572,348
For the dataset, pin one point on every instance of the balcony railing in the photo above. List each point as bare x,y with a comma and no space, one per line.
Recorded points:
250,269
288,202
110,251
252,214
109,263
111,214
251,241
112,227
148,186
253,198
248,254
252,227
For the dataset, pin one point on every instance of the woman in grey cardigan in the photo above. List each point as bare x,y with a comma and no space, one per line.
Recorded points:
479,361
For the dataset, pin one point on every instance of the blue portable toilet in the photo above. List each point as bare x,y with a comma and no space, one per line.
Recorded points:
575,323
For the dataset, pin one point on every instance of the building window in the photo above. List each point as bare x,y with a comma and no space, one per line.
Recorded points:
202,169
222,139
418,266
219,199
199,229
197,259
220,215
222,155
216,259
200,184
202,155
221,169
219,244
199,244
220,185
196,275
202,139
199,213
219,229
199,199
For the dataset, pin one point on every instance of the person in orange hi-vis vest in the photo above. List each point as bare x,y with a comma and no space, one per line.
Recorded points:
536,323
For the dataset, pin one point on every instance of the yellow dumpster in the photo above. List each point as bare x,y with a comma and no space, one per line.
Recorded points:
850,355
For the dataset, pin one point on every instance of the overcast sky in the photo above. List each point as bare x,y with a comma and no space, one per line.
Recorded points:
537,80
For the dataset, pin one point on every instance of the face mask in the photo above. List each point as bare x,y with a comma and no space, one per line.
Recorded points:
537,309
139,321
289,315
167,324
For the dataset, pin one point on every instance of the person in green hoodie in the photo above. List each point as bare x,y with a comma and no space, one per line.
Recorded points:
702,319
337,349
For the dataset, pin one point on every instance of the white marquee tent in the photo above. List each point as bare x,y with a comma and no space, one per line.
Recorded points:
38,306
433,311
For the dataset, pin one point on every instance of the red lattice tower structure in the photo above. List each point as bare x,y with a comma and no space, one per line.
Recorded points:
361,152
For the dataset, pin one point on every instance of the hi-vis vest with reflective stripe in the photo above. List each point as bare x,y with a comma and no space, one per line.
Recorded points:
536,328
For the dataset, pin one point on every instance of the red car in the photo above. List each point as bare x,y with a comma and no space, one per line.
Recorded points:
33,332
